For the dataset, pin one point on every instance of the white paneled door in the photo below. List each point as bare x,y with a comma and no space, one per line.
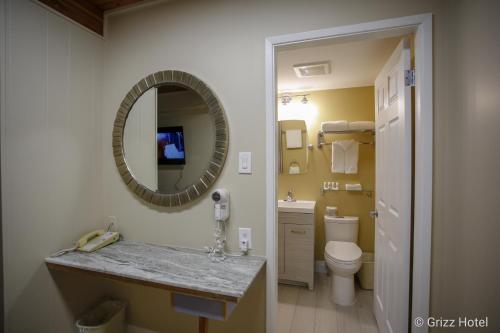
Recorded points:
393,123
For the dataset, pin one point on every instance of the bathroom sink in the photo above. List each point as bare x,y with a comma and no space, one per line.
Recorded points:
299,206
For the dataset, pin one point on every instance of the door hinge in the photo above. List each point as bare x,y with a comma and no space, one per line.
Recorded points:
410,77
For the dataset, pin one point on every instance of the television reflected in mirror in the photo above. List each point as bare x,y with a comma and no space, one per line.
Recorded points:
170,142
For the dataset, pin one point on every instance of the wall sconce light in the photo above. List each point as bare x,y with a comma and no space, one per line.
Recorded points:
285,99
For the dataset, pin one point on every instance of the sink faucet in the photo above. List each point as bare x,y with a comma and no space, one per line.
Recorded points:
290,196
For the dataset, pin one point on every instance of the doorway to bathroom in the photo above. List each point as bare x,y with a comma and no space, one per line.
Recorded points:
339,102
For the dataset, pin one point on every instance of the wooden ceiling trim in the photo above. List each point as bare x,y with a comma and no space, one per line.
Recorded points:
89,13
113,4
82,11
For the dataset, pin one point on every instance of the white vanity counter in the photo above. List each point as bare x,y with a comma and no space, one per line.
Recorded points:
298,206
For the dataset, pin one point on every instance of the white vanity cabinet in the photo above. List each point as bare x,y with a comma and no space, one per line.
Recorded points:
296,247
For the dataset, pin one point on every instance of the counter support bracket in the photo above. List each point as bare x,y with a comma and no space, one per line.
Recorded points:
202,325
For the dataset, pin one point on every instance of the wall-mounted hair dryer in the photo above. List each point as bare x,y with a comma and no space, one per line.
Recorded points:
221,204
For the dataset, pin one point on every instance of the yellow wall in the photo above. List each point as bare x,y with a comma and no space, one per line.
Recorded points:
351,104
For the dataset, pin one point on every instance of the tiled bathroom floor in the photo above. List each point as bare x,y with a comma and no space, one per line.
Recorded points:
304,311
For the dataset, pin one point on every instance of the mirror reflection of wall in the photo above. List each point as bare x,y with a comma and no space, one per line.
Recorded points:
169,138
139,140
293,143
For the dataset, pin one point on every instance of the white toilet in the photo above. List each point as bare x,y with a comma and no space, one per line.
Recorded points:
342,255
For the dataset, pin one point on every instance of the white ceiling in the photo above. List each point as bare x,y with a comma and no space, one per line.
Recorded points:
354,63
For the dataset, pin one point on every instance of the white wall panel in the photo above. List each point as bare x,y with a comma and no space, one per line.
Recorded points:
51,158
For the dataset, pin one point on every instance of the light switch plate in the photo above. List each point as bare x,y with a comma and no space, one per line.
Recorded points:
245,162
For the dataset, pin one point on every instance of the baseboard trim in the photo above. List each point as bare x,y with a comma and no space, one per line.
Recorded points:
137,329
320,266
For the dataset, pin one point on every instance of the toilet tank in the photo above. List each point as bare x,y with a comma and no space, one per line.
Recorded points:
341,228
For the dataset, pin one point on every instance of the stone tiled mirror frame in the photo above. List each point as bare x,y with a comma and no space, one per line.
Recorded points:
216,163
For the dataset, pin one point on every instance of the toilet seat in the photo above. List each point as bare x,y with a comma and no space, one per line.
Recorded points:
343,252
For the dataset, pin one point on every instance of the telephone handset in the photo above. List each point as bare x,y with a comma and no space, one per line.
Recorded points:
96,239
92,241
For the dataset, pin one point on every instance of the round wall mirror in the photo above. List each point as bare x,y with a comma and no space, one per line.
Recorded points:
170,138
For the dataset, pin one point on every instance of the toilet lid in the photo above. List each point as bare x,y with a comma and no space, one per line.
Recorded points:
345,251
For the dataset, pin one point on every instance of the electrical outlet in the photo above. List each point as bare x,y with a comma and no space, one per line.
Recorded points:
245,236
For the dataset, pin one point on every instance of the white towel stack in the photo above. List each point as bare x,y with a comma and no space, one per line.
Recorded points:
331,210
337,125
294,138
345,156
344,125
361,125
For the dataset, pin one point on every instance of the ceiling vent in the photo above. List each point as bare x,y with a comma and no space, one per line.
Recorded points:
312,69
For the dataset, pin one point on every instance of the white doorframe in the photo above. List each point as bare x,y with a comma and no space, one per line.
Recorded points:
422,26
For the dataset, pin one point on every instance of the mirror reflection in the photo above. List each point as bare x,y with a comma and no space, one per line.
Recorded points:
293,147
169,138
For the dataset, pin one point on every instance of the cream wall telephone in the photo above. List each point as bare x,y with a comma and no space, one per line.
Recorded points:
96,239
92,241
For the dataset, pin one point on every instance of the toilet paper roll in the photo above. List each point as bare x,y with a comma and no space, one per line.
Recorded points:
331,211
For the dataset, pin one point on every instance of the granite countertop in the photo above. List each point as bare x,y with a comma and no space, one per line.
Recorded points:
172,268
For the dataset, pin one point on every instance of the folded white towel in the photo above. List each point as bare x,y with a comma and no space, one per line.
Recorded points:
345,156
337,125
361,125
294,170
294,138
353,187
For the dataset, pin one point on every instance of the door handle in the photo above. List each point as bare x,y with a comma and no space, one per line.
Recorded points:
300,232
373,214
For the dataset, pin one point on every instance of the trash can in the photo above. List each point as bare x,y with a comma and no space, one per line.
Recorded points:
366,272
107,317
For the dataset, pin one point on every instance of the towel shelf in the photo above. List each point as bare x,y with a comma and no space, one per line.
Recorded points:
321,136
368,193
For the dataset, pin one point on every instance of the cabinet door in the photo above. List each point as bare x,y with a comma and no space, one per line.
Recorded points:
295,218
299,251
281,249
